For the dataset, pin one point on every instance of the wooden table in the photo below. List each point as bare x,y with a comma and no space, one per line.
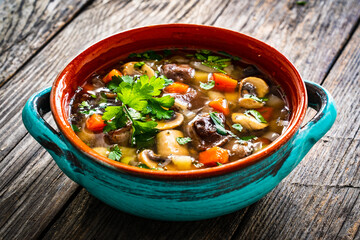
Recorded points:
318,200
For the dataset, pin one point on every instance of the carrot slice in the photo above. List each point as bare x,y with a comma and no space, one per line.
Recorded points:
177,87
224,83
112,73
88,87
220,105
213,156
95,123
266,112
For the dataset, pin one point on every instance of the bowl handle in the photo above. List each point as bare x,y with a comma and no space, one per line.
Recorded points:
32,117
320,100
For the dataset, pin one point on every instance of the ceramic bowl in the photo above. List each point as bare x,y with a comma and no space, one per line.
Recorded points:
181,195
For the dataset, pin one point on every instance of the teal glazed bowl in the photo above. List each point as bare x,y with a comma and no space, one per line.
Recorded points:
180,195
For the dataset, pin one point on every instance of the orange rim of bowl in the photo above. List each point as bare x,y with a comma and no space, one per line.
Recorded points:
62,122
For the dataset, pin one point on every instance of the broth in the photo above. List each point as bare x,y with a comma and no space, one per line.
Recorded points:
179,110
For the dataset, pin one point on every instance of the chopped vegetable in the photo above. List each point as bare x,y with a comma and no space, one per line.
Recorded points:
256,115
95,123
88,87
224,82
183,140
108,77
266,112
207,86
220,105
115,153
213,156
177,87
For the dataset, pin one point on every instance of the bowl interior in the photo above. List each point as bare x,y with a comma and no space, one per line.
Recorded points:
119,46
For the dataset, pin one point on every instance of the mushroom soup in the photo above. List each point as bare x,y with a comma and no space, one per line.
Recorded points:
179,110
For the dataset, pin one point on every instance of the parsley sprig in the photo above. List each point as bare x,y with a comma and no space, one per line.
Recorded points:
216,62
140,103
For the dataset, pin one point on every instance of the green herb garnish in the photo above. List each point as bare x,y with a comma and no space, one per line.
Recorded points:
139,64
84,104
93,95
216,62
261,100
115,153
256,115
142,165
139,98
247,138
238,127
75,128
149,55
219,164
220,129
207,86
183,140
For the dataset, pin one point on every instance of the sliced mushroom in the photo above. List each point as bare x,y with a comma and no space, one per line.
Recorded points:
250,103
252,86
167,144
149,158
130,69
248,122
172,123
148,71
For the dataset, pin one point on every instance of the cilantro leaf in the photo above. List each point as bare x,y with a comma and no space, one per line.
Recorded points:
139,64
261,100
75,128
115,153
147,55
183,140
114,83
114,117
207,86
220,129
142,165
167,81
256,115
157,107
247,138
84,104
238,127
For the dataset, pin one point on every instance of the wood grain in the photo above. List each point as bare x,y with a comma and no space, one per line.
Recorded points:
27,26
311,36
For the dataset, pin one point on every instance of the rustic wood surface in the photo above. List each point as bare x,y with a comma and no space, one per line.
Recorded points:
318,200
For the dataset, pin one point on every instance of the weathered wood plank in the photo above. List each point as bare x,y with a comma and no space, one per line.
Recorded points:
68,42
26,26
88,218
27,187
302,212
